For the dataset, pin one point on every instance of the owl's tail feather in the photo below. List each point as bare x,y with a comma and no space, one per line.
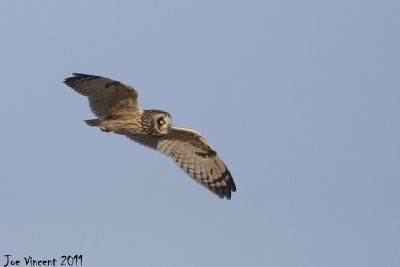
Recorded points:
94,122
97,123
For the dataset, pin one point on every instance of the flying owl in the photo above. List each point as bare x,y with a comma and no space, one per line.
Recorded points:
116,107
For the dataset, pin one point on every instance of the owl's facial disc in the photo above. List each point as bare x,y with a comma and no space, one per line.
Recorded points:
162,123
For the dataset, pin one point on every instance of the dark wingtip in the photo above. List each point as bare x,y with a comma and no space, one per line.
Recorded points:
227,191
83,75
231,186
68,81
77,76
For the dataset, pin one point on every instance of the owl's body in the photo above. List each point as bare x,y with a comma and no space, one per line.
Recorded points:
129,123
115,105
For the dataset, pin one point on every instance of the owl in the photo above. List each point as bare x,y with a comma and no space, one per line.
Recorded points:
117,110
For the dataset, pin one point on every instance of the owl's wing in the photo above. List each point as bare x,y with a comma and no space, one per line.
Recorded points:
106,97
195,156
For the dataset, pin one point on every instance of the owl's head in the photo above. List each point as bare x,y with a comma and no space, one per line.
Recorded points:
161,122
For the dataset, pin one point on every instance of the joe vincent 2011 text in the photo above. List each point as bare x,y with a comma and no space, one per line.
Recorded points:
68,260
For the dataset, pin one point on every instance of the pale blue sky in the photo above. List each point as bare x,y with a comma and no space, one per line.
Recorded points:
300,99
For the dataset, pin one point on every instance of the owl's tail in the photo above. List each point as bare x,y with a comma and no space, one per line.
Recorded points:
94,122
97,123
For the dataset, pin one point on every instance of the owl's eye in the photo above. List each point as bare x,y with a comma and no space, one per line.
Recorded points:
161,122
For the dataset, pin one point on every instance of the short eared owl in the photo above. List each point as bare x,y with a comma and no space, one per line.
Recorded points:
115,104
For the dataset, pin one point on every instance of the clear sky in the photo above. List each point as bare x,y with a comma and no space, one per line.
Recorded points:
300,99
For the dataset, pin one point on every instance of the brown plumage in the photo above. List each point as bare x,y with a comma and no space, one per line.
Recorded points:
115,104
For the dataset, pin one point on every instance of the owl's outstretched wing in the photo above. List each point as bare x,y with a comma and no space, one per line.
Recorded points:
107,97
195,156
